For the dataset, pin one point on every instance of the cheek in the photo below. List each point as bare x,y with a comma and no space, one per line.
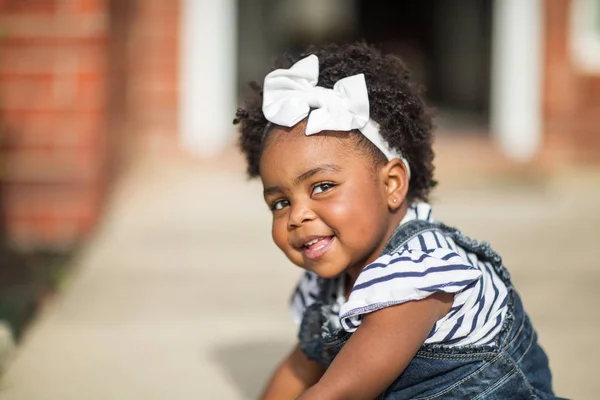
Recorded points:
358,212
358,201
279,233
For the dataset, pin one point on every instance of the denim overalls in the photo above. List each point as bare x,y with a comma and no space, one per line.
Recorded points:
514,367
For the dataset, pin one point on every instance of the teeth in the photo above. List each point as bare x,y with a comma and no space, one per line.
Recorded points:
312,242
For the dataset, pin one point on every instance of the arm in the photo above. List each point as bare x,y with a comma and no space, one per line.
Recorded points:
380,349
293,376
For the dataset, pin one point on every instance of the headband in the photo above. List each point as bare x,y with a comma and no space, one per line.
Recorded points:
290,95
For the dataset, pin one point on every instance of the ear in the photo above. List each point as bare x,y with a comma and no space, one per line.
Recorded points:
395,179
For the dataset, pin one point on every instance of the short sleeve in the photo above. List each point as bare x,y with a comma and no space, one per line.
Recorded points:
304,295
406,276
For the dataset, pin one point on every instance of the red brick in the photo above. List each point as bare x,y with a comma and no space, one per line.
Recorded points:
91,91
53,66
153,85
58,142
156,61
27,6
19,93
50,215
50,165
44,233
26,60
571,98
92,59
61,93
20,115
41,59
51,130
54,26
26,198
57,201
157,10
91,6
54,41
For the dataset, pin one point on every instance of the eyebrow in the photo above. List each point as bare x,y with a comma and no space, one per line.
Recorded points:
306,175
317,170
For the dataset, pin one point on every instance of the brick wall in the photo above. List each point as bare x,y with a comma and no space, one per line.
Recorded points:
83,85
143,85
153,73
571,97
52,115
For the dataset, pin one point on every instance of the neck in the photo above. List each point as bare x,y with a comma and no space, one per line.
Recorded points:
394,220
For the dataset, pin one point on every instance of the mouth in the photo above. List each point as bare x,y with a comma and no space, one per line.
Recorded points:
316,247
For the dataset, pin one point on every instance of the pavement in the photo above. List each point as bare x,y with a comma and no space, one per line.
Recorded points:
180,294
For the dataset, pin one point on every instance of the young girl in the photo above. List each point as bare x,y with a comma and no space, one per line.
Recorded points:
393,304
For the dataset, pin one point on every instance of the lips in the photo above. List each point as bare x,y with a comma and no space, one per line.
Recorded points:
316,247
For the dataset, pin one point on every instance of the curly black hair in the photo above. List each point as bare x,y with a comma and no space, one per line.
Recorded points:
394,101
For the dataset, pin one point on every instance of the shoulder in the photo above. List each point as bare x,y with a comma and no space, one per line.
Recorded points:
430,240
411,263
407,275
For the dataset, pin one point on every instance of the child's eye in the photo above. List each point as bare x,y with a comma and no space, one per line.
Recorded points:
322,187
279,204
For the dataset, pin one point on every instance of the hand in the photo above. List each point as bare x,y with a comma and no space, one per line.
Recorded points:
294,375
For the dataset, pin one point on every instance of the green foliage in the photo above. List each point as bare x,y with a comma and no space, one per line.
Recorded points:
26,281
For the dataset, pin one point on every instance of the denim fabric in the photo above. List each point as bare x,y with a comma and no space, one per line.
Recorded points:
513,367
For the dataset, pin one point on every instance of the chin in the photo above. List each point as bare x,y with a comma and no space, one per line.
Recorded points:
326,272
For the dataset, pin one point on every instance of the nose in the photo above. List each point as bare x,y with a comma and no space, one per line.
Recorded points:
300,213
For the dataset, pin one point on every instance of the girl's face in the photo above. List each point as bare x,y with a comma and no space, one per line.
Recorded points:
333,209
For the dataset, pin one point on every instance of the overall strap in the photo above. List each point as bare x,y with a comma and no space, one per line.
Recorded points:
406,232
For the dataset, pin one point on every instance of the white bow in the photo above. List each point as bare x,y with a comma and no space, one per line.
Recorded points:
289,95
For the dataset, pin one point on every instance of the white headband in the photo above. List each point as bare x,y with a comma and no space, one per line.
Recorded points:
290,94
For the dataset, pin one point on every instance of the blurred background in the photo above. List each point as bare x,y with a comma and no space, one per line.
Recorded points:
135,257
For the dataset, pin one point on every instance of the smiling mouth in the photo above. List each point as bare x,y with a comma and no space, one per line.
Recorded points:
317,247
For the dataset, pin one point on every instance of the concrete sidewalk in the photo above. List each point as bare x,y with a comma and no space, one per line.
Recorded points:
182,295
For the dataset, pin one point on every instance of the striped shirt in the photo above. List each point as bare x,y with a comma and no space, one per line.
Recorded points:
430,262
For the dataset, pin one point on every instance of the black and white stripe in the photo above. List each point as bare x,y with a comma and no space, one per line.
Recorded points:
429,263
